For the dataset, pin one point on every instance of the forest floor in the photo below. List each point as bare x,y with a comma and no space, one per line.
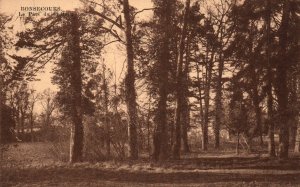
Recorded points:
30,164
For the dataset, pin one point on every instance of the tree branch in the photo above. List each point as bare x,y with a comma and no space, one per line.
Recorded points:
104,45
113,34
145,9
93,11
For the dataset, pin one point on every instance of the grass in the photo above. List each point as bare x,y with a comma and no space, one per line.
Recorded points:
32,165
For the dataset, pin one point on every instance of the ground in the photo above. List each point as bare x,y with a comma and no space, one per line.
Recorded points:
30,164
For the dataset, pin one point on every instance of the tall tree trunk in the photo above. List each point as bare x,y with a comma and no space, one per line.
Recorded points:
218,101
218,97
148,125
22,121
160,139
107,121
185,124
179,85
77,132
282,90
1,121
1,110
209,68
186,107
254,91
297,142
271,143
297,139
208,76
238,143
293,104
200,99
31,126
257,109
129,83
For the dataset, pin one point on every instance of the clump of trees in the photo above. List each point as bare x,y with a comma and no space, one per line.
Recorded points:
194,65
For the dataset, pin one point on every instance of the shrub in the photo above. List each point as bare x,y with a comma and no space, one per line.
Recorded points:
60,143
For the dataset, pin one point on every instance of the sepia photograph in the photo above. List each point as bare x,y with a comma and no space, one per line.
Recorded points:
140,93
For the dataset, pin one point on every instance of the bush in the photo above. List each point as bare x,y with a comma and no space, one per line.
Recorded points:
97,134
95,140
60,143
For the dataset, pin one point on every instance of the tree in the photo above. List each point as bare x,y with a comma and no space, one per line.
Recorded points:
74,45
11,69
163,13
48,104
76,88
105,97
210,50
19,102
281,82
101,82
271,143
130,87
130,93
33,98
238,121
225,26
8,126
268,44
179,83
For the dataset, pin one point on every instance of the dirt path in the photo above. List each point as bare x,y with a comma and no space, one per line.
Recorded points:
30,165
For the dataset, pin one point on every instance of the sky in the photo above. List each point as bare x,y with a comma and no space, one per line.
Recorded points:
13,7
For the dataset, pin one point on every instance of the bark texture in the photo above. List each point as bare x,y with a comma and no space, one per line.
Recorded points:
282,89
297,141
1,109
76,145
160,139
218,102
179,85
271,143
130,88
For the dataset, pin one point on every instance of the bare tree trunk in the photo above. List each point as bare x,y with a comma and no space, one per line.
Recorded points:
206,103
186,107
1,124
148,126
160,140
297,142
22,121
1,109
129,83
200,100
238,144
185,124
107,122
179,85
208,77
76,152
218,101
257,109
282,90
293,131
218,97
293,102
254,92
271,143
33,101
31,126
297,139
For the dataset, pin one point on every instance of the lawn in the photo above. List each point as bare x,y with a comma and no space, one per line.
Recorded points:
30,164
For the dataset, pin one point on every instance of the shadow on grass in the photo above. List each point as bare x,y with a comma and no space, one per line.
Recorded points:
234,163
59,175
